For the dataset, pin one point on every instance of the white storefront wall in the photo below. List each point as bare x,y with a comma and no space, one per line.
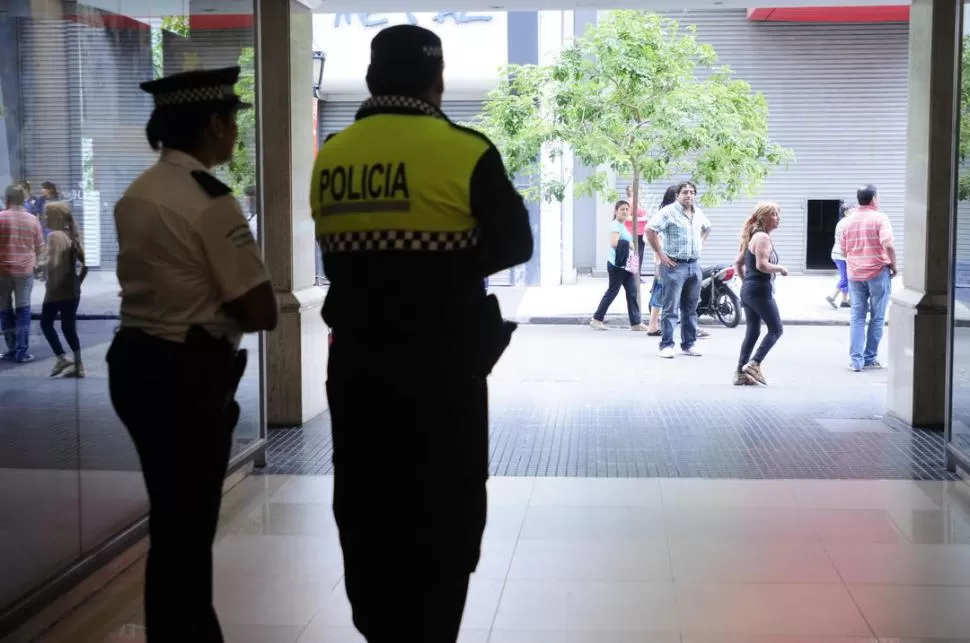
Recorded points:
475,48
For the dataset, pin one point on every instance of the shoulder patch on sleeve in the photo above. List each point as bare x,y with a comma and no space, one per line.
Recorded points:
210,184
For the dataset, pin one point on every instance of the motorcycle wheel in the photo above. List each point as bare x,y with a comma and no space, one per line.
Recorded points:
727,308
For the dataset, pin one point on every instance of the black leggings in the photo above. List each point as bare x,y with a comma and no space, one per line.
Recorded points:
620,277
759,305
67,309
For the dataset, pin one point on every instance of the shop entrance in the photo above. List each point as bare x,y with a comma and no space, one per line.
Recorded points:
821,217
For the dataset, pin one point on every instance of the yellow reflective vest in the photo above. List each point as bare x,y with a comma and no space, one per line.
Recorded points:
396,182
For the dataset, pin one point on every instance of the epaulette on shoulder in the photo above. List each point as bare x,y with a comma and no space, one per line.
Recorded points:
210,184
473,132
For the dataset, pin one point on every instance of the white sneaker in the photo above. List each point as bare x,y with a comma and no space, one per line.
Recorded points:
691,352
667,353
596,324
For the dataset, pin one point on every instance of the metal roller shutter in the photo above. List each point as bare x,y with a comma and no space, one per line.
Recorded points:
837,97
962,259
81,93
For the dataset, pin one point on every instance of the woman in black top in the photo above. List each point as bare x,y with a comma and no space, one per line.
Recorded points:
757,263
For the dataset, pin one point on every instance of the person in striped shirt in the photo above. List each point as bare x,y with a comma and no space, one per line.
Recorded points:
21,243
866,240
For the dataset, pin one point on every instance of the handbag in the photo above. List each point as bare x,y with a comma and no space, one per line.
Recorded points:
632,262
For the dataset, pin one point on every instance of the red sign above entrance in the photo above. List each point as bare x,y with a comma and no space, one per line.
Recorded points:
885,13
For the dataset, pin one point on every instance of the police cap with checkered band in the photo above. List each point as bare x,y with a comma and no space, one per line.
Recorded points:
198,89
404,60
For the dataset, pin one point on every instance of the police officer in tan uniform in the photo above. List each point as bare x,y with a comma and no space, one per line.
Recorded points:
192,282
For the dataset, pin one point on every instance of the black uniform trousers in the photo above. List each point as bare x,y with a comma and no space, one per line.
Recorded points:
183,442
410,439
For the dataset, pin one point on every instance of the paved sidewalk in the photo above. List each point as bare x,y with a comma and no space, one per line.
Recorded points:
801,300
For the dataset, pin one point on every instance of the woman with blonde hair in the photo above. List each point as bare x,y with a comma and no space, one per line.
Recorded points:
65,272
757,264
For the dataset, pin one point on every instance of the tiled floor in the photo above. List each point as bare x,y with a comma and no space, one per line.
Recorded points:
570,560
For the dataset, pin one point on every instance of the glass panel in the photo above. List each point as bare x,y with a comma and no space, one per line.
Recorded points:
960,391
73,119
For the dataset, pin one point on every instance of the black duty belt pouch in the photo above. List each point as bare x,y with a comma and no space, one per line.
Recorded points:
213,369
495,336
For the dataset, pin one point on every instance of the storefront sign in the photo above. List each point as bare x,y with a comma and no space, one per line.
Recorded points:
379,19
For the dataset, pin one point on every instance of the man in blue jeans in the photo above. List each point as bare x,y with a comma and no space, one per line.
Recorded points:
677,234
866,240
21,243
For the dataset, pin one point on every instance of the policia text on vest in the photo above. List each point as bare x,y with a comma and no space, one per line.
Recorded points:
368,188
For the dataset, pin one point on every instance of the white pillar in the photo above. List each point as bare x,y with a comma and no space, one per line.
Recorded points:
296,355
918,336
551,213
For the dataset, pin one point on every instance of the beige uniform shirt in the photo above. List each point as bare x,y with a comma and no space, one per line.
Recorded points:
182,253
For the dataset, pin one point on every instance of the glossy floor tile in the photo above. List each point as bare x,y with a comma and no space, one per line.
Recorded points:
613,561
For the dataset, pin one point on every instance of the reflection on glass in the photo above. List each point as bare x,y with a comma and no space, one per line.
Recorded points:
72,124
960,393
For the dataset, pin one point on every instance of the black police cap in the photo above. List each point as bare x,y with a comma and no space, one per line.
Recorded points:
199,88
405,59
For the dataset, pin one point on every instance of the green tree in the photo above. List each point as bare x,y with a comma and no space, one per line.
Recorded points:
178,25
963,152
639,94
242,166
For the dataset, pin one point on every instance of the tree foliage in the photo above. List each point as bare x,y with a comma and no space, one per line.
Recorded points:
963,152
242,166
639,94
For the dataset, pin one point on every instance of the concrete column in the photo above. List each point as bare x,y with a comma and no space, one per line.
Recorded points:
296,353
918,314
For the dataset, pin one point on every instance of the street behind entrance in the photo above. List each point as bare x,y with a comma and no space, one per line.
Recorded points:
569,401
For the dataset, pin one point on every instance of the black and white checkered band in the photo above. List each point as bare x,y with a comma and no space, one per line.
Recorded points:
376,240
195,95
377,103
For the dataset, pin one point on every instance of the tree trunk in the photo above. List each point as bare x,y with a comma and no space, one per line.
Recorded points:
635,206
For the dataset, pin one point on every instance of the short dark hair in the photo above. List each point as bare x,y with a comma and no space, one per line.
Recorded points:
684,184
50,187
618,204
182,129
866,194
14,195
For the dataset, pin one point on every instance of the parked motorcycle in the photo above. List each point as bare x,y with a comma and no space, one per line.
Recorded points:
718,298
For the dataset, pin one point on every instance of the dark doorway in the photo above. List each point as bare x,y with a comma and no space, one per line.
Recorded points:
822,215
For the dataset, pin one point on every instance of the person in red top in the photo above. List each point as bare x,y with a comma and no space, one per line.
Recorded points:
642,219
21,242
866,240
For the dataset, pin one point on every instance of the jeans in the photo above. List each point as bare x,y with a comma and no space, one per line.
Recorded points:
759,306
66,309
869,298
681,291
657,293
15,314
620,277
843,284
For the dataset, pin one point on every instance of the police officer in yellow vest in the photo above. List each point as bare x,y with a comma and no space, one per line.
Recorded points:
192,282
412,212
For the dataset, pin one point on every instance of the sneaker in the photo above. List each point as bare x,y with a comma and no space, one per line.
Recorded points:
874,365
596,324
61,365
753,370
702,334
25,359
691,352
832,303
845,304
667,353
8,357
76,372
743,379
640,328
854,368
